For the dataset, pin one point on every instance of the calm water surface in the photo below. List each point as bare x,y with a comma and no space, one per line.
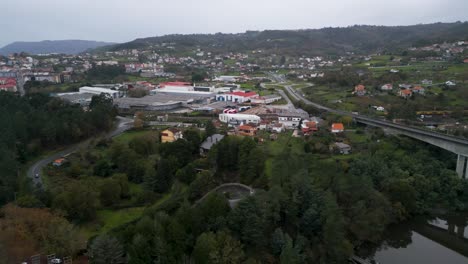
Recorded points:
428,241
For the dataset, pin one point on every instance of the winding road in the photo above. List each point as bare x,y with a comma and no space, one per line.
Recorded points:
34,172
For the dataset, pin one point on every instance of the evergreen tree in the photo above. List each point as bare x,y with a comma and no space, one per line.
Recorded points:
106,250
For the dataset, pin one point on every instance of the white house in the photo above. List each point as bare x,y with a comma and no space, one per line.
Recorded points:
387,87
450,83
278,128
289,120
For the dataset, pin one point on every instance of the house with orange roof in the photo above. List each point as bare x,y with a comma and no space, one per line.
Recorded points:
360,90
337,128
418,89
59,162
405,93
247,130
309,126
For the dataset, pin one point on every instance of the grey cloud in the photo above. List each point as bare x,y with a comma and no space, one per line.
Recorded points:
124,20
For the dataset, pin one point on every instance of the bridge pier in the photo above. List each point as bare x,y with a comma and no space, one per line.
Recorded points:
461,162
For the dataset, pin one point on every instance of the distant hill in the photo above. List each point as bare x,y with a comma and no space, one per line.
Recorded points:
359,39
52,46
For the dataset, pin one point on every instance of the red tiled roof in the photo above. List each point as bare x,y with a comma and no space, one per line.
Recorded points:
337,126
246,127
406,92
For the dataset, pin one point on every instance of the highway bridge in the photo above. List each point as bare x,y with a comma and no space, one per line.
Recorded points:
453,144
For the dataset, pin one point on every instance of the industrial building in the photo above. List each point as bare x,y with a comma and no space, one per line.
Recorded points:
236,119
98,90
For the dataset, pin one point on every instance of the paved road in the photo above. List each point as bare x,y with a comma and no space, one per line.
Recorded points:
36,169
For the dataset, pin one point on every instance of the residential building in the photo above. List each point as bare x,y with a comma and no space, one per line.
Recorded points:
387,87
450,83
360,90
59,162
171,134
418,89
405,93
278,128
292,118
405,86
247,130
342,148
8,84
337,128
308,127
210,142
426,82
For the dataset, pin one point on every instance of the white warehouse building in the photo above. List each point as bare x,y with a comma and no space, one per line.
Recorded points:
236,119
98,90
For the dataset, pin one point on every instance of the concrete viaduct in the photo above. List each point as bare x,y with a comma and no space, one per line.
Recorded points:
453,144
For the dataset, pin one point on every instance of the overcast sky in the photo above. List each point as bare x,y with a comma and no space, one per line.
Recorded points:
125,20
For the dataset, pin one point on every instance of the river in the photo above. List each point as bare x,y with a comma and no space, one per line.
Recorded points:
442,239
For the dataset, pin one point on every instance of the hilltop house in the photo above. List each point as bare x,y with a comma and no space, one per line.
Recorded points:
337,128
360,90
170,135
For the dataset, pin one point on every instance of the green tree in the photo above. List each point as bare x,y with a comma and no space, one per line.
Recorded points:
288,252
110,192
278,241
102,168
106,250
78,202
219,248
210,129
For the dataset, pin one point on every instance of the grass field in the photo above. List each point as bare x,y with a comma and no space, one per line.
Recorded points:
129,135
107,220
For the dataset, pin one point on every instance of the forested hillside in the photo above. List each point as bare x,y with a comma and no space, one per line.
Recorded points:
51,46
37,122
360,39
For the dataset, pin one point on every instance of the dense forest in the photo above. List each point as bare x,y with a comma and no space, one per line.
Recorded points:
326,41
308,206
35,123
308,210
